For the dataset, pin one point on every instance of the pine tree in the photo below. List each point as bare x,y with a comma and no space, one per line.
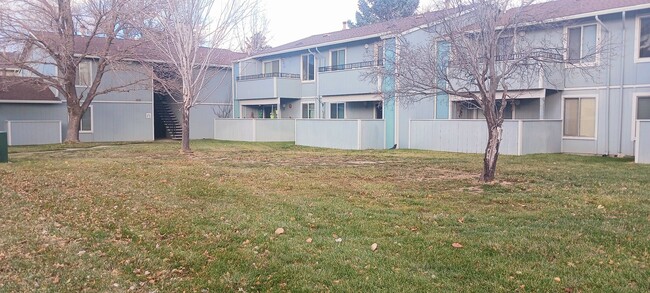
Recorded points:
373,11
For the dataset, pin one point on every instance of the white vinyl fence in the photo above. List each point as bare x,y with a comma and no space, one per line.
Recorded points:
255,130
642,147
520,137
341,134
33,132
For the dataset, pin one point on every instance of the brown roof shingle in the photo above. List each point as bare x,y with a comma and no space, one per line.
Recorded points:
537,12
13,88
137,49
558,9
565,8
382,28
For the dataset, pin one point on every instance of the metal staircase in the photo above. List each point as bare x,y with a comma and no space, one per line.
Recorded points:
166,115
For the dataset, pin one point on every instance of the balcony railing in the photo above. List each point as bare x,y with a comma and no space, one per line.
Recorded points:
534,55
268,75
351,66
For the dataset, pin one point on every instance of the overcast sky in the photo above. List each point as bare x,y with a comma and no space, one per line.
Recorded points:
290,20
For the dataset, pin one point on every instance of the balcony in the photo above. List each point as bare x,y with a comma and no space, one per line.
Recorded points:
268,75
268,86
348,79
349,66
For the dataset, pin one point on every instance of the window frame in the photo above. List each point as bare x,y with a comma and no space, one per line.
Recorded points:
596,61
302,71
345,58
637,40
302,109
514,46
271,61
635,109
580,97
90,73
345,110
92,120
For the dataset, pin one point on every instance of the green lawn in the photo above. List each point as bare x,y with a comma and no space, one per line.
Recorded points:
144,218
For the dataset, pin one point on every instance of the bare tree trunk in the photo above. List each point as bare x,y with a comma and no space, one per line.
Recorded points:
491,151
185,125
74,125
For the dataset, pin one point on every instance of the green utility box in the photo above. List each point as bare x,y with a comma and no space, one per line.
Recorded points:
4,148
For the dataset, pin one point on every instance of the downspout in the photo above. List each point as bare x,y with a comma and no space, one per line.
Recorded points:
317,80
609,84
234,89
620,134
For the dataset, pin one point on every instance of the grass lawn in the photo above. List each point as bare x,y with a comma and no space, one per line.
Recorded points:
144,218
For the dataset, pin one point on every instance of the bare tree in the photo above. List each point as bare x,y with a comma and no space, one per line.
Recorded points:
186,34
252,34
479,52
55,37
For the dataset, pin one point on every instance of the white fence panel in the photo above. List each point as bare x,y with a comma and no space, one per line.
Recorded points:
371,134
460,136
255,130
33,132
470,136
234,129
642,147
340,134
541,137
275,130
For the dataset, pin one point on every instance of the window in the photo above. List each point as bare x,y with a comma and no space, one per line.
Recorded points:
308,110
308,67
580,117
338,59
581,43
84,74
87,120
641,111
643,108
643,38
505,48
379,110
337,110
271,67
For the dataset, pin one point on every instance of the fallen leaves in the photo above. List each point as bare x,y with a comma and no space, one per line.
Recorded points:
279,231
373,247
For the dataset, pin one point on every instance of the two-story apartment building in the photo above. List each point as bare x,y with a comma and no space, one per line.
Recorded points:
324,76
136,111
598,101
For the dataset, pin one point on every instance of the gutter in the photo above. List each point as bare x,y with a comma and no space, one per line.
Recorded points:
609,82
620,133
30,102
315,46
209,65
317,80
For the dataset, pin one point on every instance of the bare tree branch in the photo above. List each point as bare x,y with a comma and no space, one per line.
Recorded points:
187,33
55,36
480,51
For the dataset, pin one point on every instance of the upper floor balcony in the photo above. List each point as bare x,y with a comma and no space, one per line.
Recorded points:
348,79
541,70
268,85
357,65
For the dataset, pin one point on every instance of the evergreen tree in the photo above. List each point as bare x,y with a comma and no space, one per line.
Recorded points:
373,11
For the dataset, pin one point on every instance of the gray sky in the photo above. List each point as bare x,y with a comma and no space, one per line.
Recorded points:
290,20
